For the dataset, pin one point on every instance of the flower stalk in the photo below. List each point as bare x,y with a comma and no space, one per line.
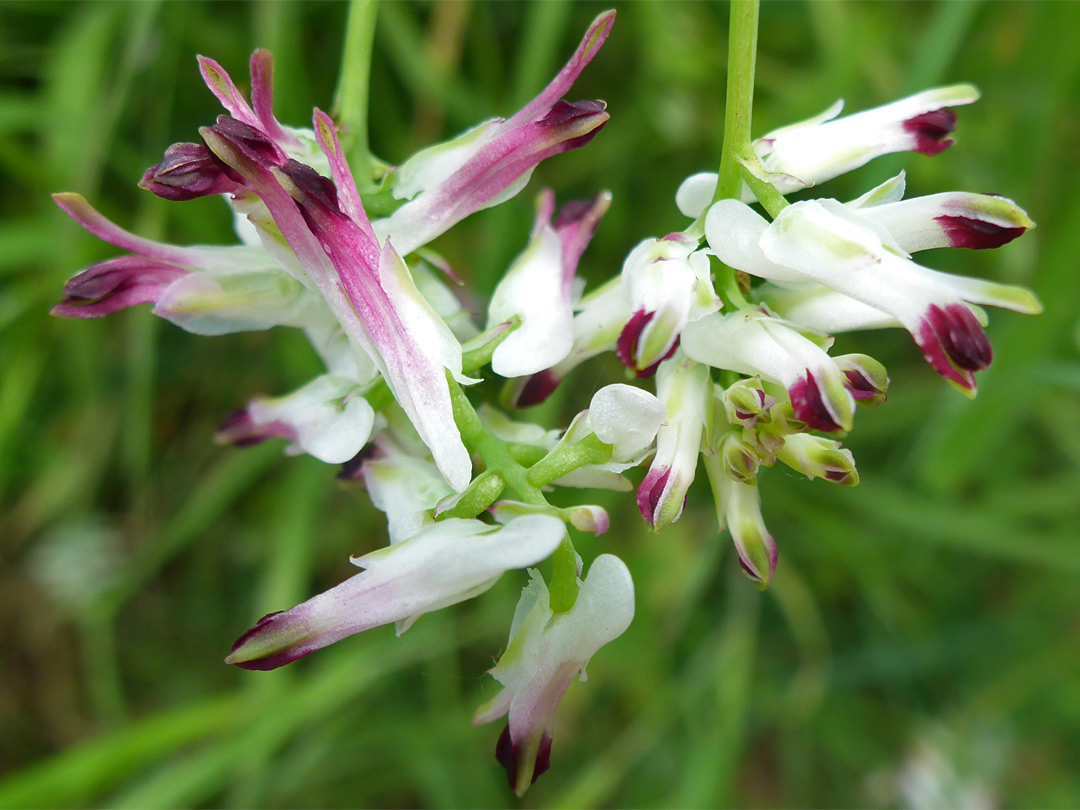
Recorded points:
350,109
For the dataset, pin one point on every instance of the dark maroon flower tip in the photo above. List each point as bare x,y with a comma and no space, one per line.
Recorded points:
240,430
961,336
352,470
508,755
860,386
188,171
254,143
536,389
809,406
976,234
837,475
648,494
626,347
931,130
318,189
564,112
270,661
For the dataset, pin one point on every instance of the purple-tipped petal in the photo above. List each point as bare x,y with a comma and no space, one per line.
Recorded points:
115,284
930,130
976,234
954,344
591,43
188,171
347,195
628,345
240,430
810,405
536,389
650,492
76,207
510,757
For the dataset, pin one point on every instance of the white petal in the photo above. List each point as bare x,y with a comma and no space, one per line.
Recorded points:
625,417
695,193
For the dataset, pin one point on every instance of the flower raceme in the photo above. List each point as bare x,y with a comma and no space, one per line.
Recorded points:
743,379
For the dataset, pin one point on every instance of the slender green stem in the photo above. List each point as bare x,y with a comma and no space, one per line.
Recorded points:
351,96
771,199
563,460
742,54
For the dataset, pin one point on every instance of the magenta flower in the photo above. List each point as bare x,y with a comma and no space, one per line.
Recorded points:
492,162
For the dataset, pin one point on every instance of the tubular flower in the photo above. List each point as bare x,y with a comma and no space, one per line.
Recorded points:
738,508
538,287
492,162
328,418
205,290
823,147
754,343
443,564
684,388
669,285
544,655
862,254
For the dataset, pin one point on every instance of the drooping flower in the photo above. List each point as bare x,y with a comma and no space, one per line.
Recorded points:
493,161
823,147
544,655
538,287
205,290
738,508
443,564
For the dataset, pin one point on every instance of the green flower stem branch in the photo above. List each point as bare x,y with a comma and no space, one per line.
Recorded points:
351,96
498,459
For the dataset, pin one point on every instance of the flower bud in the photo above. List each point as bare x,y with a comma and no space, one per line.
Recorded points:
817,457
867,380
740,459
746,403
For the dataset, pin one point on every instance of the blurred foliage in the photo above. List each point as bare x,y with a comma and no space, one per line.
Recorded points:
921,643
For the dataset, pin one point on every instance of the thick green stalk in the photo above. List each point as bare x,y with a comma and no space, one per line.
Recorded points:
742,55
351,96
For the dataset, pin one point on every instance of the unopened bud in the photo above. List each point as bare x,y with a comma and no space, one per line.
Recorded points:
739,458
817,457
865,379
747,404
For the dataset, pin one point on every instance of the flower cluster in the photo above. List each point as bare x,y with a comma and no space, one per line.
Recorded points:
464,488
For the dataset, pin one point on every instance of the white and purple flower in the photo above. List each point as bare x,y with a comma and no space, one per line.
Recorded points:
544,655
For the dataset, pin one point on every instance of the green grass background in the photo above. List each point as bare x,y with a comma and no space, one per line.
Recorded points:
931,615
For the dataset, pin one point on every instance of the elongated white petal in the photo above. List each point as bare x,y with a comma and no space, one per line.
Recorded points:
445,563
952,219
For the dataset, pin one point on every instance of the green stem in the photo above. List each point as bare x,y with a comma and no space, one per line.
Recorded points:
563,460
564,587
351,96
742,54
771,199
